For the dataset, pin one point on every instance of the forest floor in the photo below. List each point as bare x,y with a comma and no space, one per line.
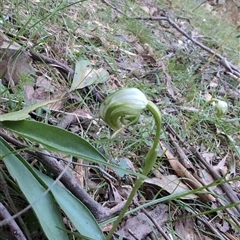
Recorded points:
185,57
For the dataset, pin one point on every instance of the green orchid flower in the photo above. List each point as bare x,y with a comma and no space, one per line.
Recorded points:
221,107
123,108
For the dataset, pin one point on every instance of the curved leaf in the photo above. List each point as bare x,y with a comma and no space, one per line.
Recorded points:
77,212
23,113
46,209
55,138
86,75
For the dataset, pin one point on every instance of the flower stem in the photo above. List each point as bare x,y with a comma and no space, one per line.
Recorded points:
149,163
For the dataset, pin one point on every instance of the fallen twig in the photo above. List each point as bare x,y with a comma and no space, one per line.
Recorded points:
233,69
61,66
113,7
14,228
71,184
159,228
224,186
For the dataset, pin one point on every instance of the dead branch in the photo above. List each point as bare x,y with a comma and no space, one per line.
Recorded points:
61,66
113,7
229,66
14,228
72,185
224,186
12,205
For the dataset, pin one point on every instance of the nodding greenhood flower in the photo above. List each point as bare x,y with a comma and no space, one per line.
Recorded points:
123,107
221,107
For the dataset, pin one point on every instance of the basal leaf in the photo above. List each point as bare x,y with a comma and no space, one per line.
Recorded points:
77,212
58,139
45,208
86,75
55,138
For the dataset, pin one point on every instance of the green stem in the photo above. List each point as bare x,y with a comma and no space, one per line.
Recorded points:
149,163
153,152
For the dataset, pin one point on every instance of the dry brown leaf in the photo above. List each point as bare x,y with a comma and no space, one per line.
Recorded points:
15,62
124,191
149,60
76,116
131,64
38,92
213,83
119,193
223,226
172,185
184,228
80,172
141,226
181,171
139,48
205,178
207,96
29,92
221,167
150,10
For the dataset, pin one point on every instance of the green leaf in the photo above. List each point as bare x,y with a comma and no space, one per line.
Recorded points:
78,214
46,209
122,162
24,113
77,235
86,75
55,138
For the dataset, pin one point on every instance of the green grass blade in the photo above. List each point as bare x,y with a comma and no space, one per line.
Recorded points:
45,209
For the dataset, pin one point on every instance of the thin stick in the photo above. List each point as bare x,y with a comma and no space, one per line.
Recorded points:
12,205
154,222
14,228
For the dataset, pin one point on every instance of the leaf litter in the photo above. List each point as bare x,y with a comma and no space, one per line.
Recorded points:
140,63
